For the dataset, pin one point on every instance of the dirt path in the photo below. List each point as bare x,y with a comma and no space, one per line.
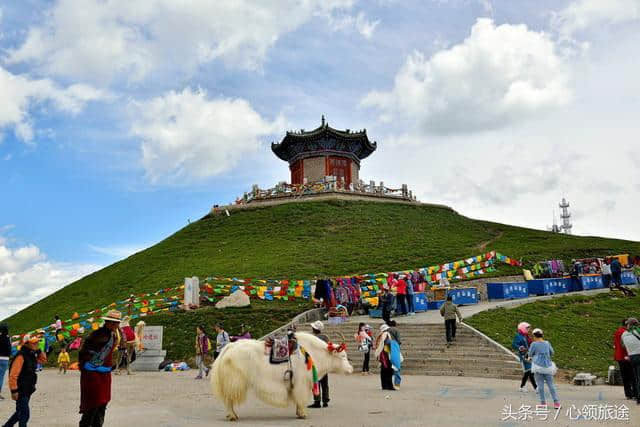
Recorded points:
483,246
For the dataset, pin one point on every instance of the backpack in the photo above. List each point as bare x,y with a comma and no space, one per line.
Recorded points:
364,346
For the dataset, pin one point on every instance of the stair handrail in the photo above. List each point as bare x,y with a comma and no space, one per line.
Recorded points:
495,343
304,317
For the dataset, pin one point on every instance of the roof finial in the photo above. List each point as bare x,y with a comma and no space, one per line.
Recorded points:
323,120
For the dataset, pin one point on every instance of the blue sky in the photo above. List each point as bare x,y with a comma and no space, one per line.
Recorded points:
121,122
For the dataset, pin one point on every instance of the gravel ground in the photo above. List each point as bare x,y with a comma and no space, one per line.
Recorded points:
176,399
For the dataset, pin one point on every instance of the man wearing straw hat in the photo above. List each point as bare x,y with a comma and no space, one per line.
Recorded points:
23,378
96,362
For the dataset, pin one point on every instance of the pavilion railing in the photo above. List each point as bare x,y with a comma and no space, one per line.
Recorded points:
327,185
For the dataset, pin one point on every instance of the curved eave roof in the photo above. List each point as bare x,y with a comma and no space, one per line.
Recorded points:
282,149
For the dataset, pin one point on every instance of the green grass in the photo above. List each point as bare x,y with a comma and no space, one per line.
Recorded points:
259,319
580,328
262,318
302,240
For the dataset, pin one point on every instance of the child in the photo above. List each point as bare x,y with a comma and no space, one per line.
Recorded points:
63,360
202,350
363,338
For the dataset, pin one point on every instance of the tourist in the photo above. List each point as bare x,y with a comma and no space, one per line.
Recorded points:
317,327
42,346
620,355
140,336
202,350
120,350
631,342
394,331
606,273
23,378
383,354
96,362
396,355
449,311
543,368
616,272
63,360
520,344
363,339
401,296
58,327
5,353
411,311
386,302
129,340
222,339
616,278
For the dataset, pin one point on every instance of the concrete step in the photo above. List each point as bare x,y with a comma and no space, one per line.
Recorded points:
478,373
439,356
402,328
425,351
502,375
430,347
403,336
458,363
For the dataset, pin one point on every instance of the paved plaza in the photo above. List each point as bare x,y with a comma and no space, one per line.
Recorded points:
176,399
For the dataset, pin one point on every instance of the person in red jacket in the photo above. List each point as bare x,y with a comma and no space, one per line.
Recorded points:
96,363
620,356
401,296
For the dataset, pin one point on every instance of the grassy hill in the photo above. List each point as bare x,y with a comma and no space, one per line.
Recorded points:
302,240
580,328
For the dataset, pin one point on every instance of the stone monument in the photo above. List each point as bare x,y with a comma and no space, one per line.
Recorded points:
153,354
191,292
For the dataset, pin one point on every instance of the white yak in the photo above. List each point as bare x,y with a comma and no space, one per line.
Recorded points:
242,365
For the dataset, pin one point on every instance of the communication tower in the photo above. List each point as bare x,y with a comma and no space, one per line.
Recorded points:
565,216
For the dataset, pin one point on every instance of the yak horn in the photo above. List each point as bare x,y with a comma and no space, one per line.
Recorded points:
344,341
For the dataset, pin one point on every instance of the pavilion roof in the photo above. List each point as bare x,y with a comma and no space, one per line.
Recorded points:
324,139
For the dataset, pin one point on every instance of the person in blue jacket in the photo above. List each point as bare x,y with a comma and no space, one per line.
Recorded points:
520,344
616,278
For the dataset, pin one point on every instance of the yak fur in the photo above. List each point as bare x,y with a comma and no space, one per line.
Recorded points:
242,366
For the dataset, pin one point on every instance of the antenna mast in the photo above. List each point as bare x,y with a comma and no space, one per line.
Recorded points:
565,216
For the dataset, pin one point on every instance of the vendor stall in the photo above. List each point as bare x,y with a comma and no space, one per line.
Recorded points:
435,305
508,290
464,296
590,281
420,302
549,286
628,277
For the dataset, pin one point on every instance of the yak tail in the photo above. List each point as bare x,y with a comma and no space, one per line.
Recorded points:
228,383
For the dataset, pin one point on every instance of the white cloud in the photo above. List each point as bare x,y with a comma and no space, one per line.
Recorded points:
26,276
99,40
518,174
185,135
583,14
360,22
21,93
499,75
118,252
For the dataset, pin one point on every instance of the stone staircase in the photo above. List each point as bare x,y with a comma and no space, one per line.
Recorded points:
425,351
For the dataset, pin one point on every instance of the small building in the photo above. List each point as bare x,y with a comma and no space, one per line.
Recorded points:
324,165
324,151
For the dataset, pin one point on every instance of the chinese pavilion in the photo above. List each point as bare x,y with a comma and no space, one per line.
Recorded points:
324,151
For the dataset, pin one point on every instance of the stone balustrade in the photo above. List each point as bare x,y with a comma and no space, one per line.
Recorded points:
329,184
